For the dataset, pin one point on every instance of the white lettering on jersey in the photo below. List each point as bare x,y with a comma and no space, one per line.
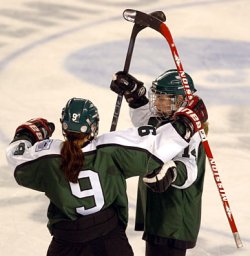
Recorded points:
95,191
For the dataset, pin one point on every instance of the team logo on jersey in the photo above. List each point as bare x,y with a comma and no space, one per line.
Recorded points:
43,145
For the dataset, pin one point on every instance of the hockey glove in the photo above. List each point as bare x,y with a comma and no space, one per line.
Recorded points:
192,114
123,82
34,130
132,89
160,179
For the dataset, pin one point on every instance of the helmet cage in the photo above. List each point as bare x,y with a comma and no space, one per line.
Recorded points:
162,104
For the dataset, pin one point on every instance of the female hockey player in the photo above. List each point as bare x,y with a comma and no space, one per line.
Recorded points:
84,176
170,220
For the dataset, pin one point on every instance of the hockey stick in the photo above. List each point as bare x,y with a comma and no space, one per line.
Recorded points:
145,20
136,29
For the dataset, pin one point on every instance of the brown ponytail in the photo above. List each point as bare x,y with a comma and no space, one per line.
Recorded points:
72,157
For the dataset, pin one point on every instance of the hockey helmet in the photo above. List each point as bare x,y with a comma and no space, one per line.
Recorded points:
80,116
170,83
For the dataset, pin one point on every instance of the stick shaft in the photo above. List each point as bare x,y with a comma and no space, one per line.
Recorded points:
135,31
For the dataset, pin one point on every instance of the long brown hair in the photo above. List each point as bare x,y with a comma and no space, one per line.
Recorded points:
72,156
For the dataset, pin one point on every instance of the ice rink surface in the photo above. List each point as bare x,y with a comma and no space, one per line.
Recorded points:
53,50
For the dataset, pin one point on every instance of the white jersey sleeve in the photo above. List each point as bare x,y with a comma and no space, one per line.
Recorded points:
189,159
140,116
164,142
22,151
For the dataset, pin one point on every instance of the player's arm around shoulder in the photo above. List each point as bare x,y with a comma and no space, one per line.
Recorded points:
141,150
164,143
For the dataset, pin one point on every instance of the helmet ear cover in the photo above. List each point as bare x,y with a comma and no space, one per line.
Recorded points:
80,116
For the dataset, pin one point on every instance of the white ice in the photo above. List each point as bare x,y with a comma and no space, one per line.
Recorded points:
53,50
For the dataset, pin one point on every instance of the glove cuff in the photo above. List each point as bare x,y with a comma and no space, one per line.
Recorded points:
24,136
142,101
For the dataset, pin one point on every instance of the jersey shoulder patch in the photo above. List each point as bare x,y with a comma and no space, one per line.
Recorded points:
43,145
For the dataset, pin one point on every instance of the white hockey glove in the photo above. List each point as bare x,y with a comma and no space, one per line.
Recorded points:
160,179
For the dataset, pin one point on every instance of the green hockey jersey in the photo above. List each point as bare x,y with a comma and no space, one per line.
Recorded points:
173,216
108,161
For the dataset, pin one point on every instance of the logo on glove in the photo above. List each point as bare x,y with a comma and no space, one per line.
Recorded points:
192,115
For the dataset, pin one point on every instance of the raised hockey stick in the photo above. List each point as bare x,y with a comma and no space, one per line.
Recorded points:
136,29
145,20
